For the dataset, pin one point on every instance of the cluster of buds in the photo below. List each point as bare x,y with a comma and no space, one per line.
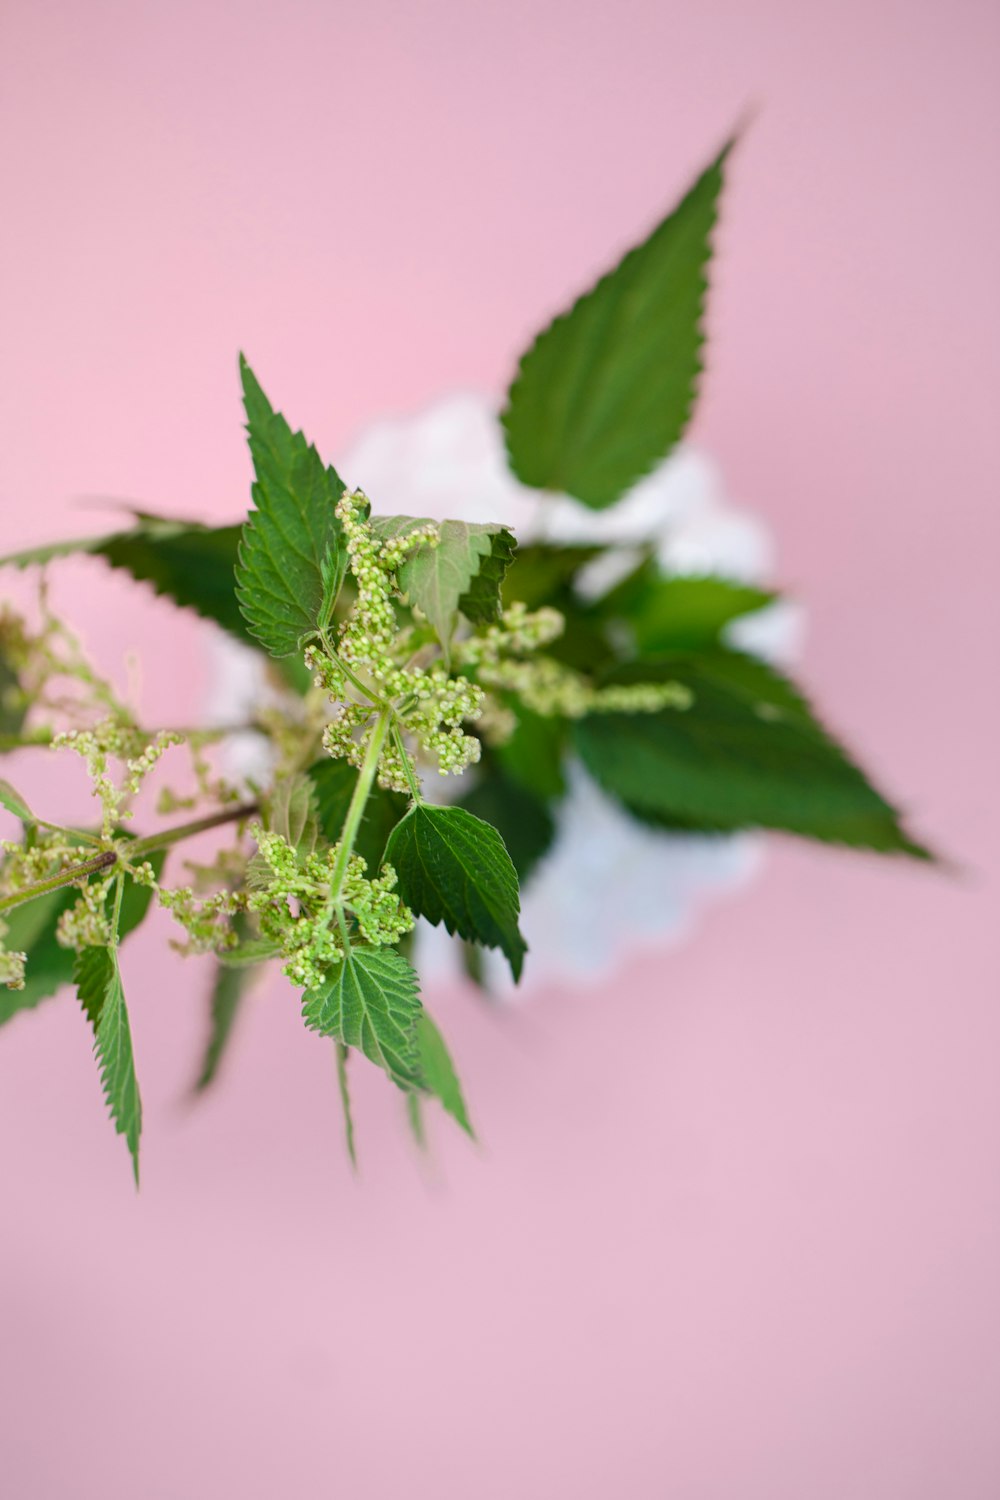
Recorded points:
310,914
503,659
117,739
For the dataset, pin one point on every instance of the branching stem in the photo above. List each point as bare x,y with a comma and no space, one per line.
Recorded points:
356,810
68,876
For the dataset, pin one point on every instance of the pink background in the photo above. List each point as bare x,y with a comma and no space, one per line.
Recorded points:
733,1229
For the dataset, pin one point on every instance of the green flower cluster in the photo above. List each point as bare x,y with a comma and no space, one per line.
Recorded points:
310,912
502,659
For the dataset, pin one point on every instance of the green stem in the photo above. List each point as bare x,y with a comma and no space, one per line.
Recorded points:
356,810
139,848
67,876
411,780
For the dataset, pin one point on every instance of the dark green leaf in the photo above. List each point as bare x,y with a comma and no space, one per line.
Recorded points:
230,986
541,572
334,781
12,702
608,388
664,613
370,1000
184,561
533,755
453,868
31,929
292,555
748,753
521,817
99,986
438,1071
481,601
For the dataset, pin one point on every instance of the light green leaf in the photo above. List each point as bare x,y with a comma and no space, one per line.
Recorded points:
370,1000
749,752
463,573
294,814
15,803
607,389
99,987
184,561
249,953
454,868
292,556
438,1071
31,929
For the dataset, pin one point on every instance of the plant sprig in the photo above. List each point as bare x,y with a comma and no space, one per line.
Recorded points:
411,651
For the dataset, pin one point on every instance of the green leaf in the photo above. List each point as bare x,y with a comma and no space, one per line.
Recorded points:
521,817
230,987
31,929
15,803
463,573
541,572
13,706
438,1071
534,753
749,752
607,389
184,561
482,599
674,613
294,813
334,782
453,868
292,556
99,987
248,954
370,1000
344,1090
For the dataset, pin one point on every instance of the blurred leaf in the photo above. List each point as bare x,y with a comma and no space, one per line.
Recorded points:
749,752
607,389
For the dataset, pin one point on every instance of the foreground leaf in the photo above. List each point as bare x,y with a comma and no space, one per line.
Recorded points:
521,817
608,388
31,929
292,556
99,986
370,1000
438,1071
453,868
748,753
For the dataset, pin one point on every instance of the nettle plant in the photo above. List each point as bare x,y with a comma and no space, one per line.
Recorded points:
410,650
